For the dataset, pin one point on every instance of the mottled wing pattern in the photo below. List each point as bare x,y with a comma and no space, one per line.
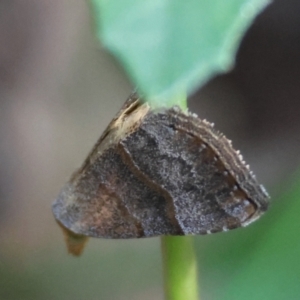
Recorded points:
199,170
160,172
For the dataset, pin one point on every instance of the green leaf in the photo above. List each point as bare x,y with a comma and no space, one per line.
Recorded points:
172,46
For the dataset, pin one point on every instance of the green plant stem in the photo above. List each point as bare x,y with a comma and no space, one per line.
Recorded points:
180,268
178,254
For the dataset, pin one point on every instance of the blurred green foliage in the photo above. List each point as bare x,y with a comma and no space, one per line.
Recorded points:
106,270
172,46
260,261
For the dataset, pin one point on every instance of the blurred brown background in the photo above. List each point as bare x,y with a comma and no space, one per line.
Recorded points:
59,90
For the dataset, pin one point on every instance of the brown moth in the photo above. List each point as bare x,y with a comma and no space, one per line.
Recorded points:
158,172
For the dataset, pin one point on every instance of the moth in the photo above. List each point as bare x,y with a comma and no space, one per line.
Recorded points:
158,172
